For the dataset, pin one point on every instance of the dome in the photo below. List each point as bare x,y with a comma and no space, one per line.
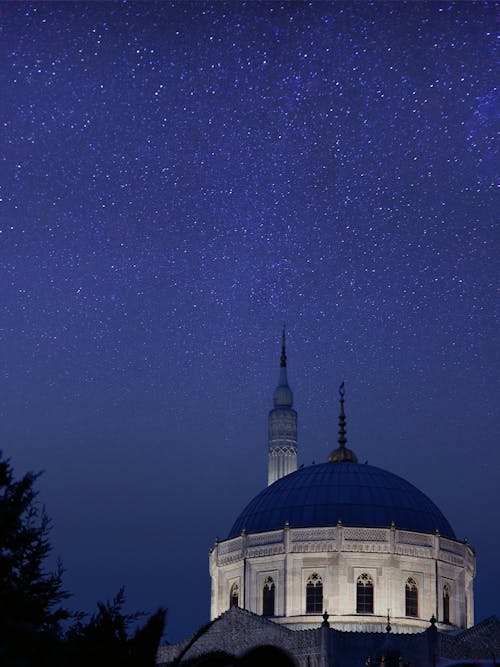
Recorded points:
357,494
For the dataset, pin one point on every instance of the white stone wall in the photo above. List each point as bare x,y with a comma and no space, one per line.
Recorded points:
339,555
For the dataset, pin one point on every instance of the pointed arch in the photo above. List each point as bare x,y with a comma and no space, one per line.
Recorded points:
268,593
446,603
234,595
314,594
364,594
411,597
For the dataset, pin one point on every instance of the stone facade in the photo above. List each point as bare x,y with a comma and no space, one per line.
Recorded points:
339,556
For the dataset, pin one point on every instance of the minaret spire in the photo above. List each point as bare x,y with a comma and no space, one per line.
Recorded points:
283,349
282,425
342,454
283,396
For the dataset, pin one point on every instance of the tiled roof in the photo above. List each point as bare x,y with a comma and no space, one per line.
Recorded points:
480,641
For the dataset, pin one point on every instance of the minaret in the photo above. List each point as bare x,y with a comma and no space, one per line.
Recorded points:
282,427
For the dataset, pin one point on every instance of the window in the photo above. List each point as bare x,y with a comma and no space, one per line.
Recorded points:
411,597
233,596
314,594
268,597
446,604
364,594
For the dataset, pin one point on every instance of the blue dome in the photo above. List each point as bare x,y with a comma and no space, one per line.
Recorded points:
358,494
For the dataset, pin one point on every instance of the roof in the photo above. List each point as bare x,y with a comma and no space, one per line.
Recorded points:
237,631
480,641
357,494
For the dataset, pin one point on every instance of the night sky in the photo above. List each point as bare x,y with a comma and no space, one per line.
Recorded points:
179,180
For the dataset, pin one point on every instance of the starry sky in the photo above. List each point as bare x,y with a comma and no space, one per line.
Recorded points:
178,180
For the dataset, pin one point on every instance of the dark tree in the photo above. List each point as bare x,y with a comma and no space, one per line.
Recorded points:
146,641
105,639
30,596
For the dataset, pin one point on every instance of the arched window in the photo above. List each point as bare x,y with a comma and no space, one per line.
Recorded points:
411,597
364,594
314,594
446,604
268,597
233,595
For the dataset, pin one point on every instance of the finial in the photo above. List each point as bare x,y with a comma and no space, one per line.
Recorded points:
325,623
433,620
342,454
283,349
342,439
388,626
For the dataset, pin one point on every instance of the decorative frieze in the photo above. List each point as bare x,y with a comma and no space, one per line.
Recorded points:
303,534
265,538
230,558
312,547
265,550
422,539
411,550
448,557
354,539
452,546
366,534
366,547
229,546
288,450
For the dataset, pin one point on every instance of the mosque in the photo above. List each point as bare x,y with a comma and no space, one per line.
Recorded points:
339,563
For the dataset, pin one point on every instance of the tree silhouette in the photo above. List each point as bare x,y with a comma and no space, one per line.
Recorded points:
31,614
30,597
105,640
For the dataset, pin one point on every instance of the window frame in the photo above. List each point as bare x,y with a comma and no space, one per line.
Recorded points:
365,603
268,597
411,598
314,594
234,593
446,604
